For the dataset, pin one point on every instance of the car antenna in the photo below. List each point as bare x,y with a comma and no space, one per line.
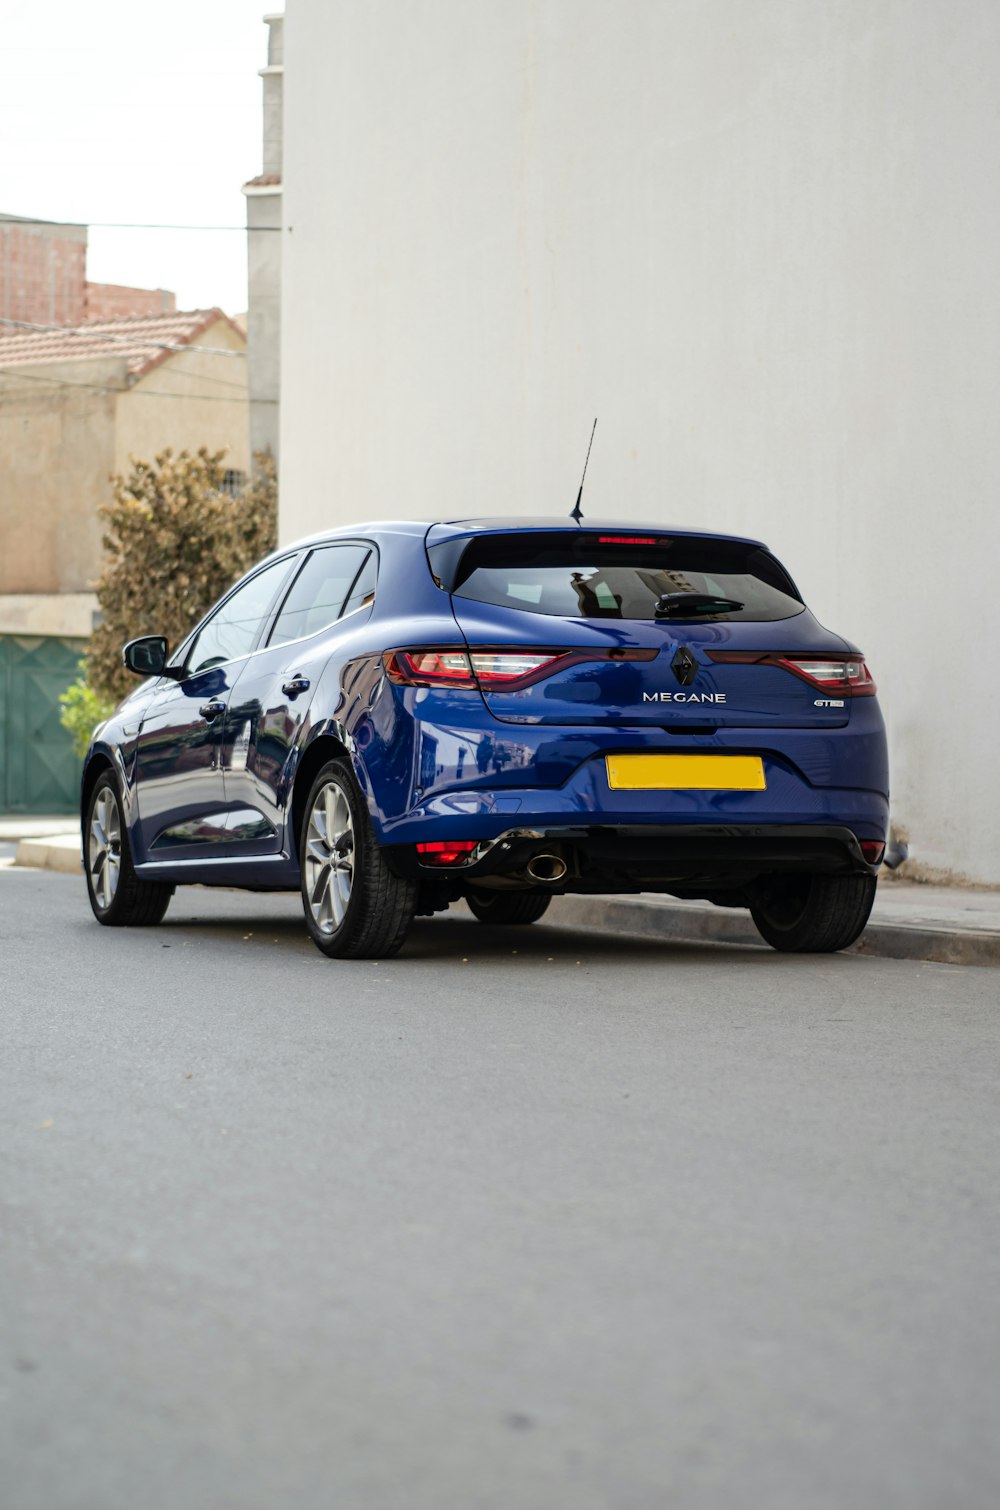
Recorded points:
577,513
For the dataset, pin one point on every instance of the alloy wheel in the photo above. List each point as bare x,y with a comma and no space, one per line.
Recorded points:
329,857
104,847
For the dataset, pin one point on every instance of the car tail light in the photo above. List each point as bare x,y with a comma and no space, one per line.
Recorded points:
492,668
429,668
846,675
873,850
496,667
446,851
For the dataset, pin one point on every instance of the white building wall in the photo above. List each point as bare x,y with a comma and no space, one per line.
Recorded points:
757,238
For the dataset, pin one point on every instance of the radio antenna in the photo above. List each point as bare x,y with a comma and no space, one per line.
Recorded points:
577,513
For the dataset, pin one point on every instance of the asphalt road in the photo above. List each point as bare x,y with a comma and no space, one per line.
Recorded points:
522,1219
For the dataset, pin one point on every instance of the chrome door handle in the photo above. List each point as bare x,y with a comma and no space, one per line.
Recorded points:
295,685
211,710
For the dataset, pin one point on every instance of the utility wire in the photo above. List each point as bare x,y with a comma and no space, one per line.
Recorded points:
129,225
205,398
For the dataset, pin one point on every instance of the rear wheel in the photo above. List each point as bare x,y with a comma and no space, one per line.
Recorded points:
355,908
508,906
117,897
813,914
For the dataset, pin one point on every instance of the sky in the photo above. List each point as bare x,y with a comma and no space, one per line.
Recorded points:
132,111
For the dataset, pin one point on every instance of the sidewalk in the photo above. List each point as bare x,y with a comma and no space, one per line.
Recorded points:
951,925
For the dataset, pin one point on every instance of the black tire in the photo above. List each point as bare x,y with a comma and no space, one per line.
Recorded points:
354,906
118,898
814,914
508,907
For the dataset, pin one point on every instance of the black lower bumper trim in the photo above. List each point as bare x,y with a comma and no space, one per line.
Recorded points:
684,859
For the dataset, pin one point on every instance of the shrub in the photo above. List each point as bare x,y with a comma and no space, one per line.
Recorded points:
82,710
174,541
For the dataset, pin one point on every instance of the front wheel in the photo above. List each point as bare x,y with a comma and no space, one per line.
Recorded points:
355,907
813,914
507,906
117,897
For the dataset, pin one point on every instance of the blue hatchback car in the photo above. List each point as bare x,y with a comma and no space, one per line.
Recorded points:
397,716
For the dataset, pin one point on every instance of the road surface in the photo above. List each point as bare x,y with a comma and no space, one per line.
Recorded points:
522,1220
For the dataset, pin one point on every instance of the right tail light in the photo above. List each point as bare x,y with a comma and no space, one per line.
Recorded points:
846,675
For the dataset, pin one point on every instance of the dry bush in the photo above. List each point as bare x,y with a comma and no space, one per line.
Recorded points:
174,541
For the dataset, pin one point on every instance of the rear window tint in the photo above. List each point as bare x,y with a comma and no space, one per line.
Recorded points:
317,595
577,576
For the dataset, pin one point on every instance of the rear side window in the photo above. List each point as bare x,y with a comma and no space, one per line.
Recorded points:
319,592
578,575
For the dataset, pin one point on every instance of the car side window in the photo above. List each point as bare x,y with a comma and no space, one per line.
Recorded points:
317,596
232,629
363,588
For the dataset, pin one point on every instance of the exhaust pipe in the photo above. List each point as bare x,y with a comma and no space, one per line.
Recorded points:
547,869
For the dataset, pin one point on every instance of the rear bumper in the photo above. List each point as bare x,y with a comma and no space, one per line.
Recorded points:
586,800
427,780
699,858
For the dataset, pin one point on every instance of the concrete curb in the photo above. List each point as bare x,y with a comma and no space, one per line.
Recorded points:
669,919
57,852
694,923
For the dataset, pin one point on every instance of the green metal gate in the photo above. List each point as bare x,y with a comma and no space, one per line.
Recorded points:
38,771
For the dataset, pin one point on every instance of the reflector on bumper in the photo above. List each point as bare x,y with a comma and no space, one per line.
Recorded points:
705,773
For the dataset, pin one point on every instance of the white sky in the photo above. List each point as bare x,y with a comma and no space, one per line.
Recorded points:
128,110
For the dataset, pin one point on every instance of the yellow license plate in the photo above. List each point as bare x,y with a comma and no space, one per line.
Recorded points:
703,773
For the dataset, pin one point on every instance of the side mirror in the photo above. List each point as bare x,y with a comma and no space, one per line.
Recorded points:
148,656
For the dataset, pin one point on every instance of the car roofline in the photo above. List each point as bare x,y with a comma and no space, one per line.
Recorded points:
451,529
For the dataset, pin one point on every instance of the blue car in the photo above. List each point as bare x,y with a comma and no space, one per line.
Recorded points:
394,717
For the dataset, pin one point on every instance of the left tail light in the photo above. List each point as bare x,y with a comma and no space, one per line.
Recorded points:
491,669
482,668
429,668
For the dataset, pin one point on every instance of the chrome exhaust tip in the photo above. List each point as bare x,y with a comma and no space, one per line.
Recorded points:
548,869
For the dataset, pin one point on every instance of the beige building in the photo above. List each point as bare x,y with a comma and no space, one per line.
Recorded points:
75,406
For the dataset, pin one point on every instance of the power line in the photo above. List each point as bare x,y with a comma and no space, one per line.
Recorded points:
129,225
204,398
87,332
199,377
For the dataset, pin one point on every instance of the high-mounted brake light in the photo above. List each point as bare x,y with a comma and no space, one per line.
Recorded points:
627,540
846,675
446,851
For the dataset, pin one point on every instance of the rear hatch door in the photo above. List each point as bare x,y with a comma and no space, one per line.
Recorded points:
631,620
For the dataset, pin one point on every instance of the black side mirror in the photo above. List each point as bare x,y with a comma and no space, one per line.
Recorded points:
148,656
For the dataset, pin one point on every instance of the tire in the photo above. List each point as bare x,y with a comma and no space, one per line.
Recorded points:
508,907
355,908
118,898
814,914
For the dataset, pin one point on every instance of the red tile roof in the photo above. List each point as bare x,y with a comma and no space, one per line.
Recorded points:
143,340
263,181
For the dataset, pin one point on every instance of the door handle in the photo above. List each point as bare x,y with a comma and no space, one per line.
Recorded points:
211,710
295,685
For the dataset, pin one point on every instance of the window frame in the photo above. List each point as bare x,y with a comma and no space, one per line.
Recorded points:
182,656
370,548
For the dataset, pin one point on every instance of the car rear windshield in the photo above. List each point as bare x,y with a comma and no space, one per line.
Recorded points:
579,575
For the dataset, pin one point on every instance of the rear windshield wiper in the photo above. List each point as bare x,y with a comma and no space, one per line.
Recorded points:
672,605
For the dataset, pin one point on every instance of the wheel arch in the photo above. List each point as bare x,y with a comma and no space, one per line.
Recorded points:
108,758
323,748
100,761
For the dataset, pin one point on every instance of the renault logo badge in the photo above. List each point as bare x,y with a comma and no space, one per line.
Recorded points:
684,666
